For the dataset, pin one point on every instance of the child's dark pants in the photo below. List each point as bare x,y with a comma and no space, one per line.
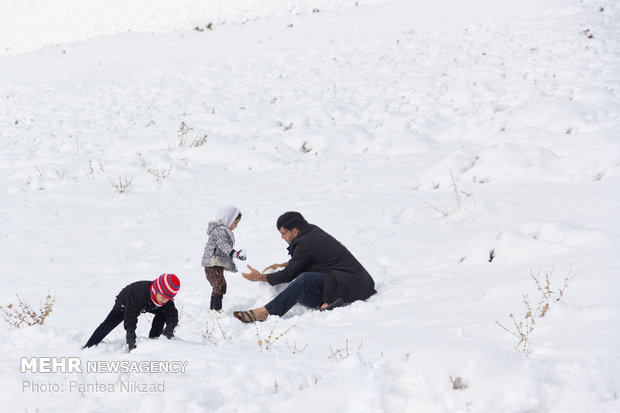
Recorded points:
115,318
215,276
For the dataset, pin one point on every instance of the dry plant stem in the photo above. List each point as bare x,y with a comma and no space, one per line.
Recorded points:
521,332
294,349
207,333
182,133
529,314
457,198
523,329
198,142
160,173
341,354
569,277
546,289
24,314
219,326
272,339
123,184
90,171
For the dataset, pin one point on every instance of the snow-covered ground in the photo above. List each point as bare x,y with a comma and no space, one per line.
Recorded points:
459,149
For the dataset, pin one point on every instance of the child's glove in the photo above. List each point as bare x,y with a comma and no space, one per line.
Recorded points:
240,255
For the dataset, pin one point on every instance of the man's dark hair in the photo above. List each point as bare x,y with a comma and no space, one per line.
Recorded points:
290,220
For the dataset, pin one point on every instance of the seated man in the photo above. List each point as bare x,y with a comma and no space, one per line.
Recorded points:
322,273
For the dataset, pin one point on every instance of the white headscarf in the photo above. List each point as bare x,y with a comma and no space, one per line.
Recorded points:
228,215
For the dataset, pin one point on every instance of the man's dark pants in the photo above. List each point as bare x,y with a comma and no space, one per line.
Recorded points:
306,289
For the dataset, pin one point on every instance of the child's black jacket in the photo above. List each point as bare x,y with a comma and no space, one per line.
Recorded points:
135,299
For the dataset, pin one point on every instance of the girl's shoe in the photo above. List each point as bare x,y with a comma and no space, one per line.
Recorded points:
218,313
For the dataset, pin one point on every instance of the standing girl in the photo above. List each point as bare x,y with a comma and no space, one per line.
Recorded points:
219,253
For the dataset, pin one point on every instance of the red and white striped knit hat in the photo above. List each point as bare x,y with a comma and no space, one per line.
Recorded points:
167,285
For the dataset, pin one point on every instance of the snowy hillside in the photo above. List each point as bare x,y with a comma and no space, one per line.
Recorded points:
463,151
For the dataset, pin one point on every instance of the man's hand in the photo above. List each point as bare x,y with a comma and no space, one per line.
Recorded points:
254,275
275,266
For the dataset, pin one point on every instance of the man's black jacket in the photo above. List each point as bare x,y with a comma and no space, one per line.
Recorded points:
314,250
135,299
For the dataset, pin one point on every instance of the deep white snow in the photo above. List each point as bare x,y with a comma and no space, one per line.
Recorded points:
457,148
